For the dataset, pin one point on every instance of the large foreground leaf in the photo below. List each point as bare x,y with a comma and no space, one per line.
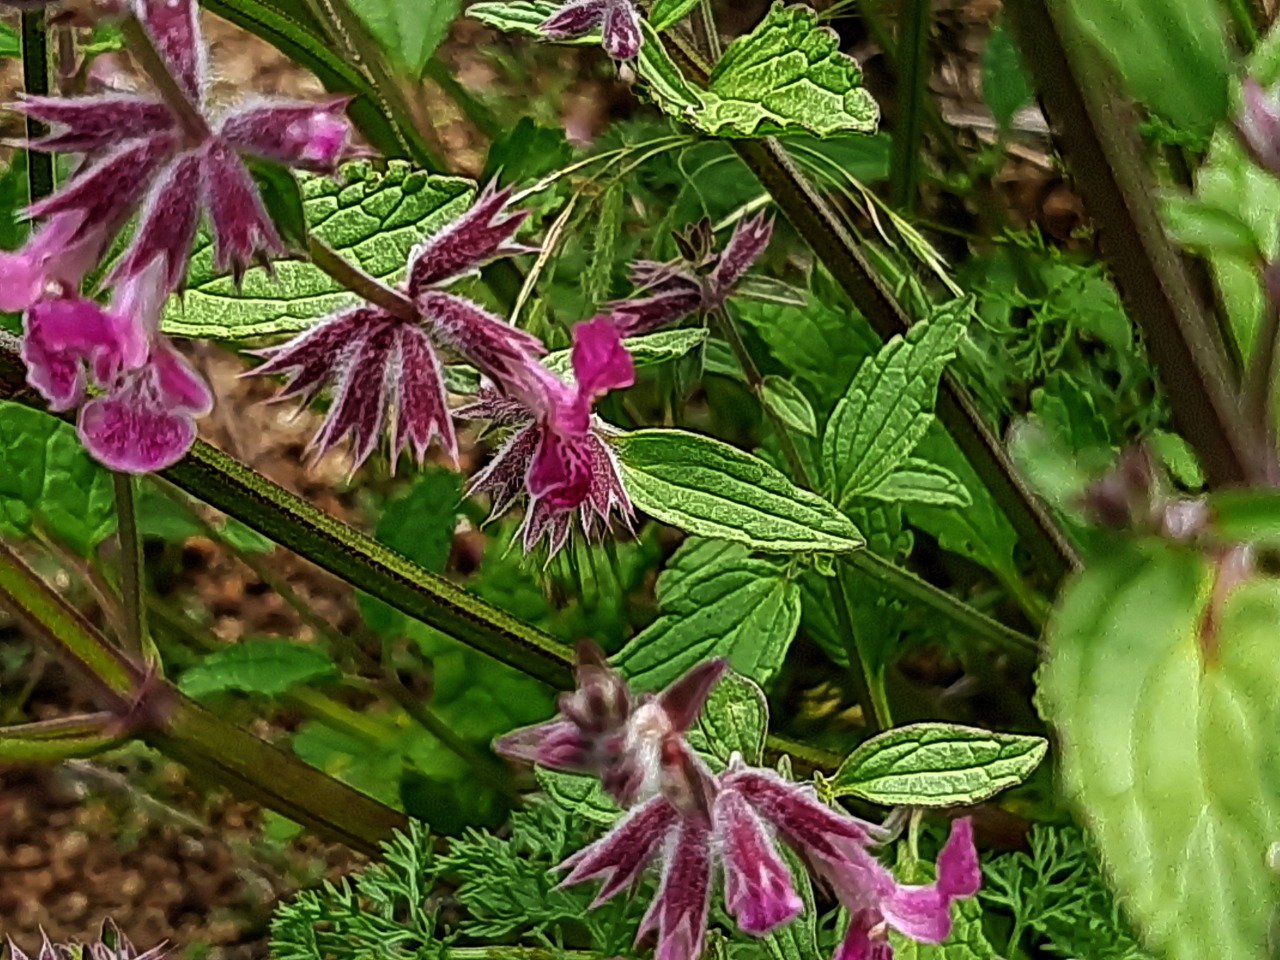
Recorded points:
372,219
1167,723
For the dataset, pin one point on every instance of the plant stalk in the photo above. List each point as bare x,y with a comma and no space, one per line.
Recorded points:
360,283
914,17
35,80
133,636
157,70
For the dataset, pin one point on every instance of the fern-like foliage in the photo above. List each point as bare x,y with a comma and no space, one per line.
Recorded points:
1059,902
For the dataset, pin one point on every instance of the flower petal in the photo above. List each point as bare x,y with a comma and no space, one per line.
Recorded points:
758,890
542,519
61,337
641,315
679,910
600,362
620,856
683,699
504,477
421,409
503,353
620,32
574,19
557,745
308,136
959,874
560,470
175,30
360,399
133,428
182,390
242,230
317,356
167,224
485,231
811,827
745,246
94,122
859,944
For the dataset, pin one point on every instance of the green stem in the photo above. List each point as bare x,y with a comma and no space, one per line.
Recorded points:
1260,377
55,741
710,32
133,636
908,129
1245,18
358,282
35,80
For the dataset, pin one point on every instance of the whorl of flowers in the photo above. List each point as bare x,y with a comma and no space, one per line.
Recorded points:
692,824
111,944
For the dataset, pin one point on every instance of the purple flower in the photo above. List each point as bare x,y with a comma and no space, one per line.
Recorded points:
1258,126
382,368
559,455
141,152
694,825
618,20
110,945
699,282
143,417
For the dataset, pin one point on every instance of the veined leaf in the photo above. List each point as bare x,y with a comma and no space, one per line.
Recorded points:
647,350
889,405
522,16
790,405
667,13
715,599
919,481
408,32
581,795
1165,709
711,489
373,219
734,719
937,765
268,666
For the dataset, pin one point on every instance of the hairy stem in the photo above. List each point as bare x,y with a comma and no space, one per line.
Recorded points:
157,70
357,281
35,80
132,575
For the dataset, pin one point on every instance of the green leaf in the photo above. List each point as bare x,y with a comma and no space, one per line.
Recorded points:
790,405
373,219
522,16
408,32
646,351
1166,710
889,405
919,481
937,765
711,489
160,517
735,719
526,152
967,940
787,76
715,600
268,666
11,43
1005,86
282,198
1208,228
665,14
1173,54
581,796
48,480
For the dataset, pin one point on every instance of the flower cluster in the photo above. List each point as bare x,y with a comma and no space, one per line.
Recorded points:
693,822
166,162
618,20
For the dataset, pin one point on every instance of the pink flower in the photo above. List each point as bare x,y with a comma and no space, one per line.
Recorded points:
1258,126
141,152
558,456
700,282
383,369
143,418
110,945
618,20
694,825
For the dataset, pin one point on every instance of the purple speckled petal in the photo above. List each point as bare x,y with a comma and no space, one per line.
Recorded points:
574,19
859,944
504,477
641,315
242,230
744,248
503,353
92,123
684,697
175,29
561,470
308,136
600,362
620,856
811,827
316,357
620,31
484,232
758,891
421,409
360,400
607,492
924,912
167,224
542,520
61,337
679,910
556,745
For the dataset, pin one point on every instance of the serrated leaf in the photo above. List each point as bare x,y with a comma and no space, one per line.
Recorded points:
47,479
1166,725
937,765
1173,54
603,242
715,600
580,795
889,405
791,406
373,219
734,719
919,481
409,33
786,76
1005,86
267,666
709,488
522,16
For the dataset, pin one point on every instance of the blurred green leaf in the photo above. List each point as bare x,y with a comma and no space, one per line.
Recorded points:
1005,85
408,32
267,666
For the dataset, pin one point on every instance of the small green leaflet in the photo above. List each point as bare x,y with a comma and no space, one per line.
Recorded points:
667,13
715,599
1005,86
937,765
734,719
919,481
268,666
709,488
373,219
646,351
789,404
580,795
787,76
408,32
889,405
